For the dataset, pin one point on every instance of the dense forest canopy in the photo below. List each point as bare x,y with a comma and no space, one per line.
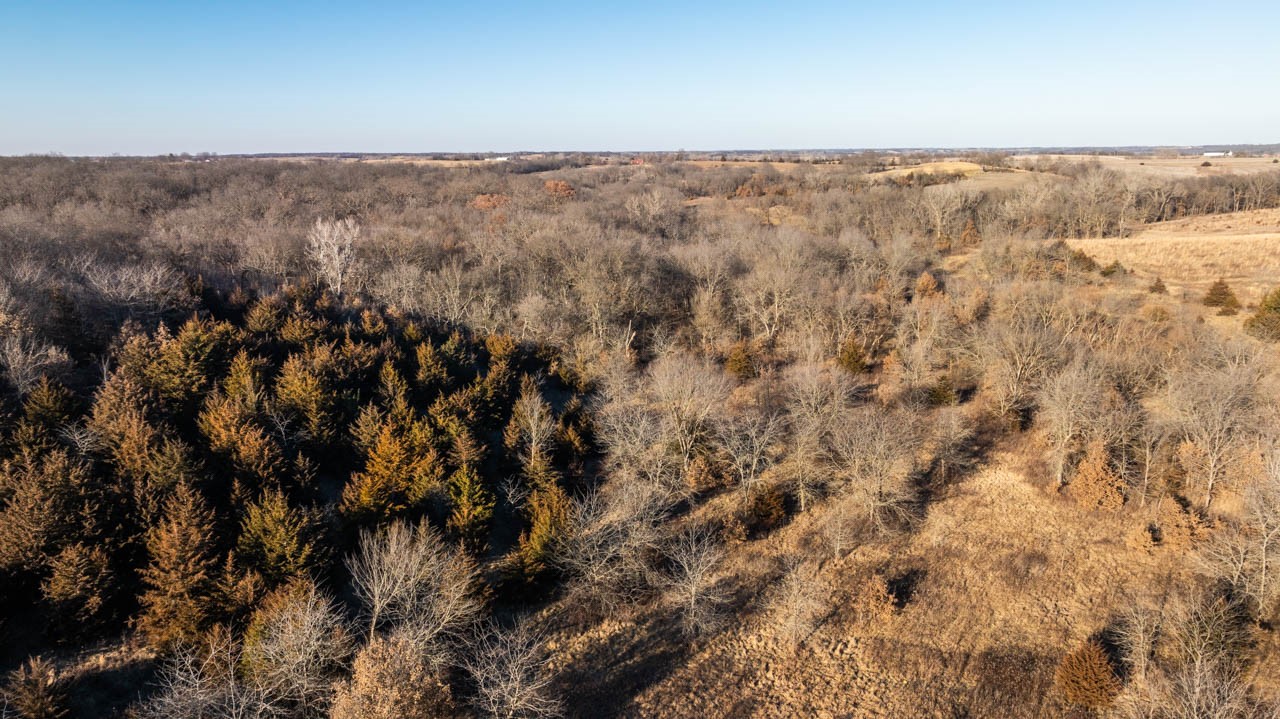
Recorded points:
383,439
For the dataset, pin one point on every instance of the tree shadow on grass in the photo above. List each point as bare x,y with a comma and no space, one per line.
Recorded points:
604,680
106,692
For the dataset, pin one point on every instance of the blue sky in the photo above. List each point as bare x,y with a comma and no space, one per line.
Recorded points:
231,76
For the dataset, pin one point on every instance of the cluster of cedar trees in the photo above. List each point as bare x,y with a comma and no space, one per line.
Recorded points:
1263,324
247,446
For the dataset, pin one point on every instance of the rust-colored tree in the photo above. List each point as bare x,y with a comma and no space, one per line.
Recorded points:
1086,677
177,603
1221,296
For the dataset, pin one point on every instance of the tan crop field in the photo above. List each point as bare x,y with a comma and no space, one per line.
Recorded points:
1162,167
784,166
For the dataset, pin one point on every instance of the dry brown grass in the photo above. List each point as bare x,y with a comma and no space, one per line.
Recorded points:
942,167
975,177
1006,575
987,180
1241,247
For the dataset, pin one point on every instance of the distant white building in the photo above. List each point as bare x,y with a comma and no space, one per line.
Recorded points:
1219,154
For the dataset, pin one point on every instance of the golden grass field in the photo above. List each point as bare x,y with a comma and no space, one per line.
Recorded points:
976,178
1014,574
969,169
984,181
1241,247
784,167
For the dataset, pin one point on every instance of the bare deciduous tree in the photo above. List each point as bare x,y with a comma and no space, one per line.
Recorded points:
842,525
1216,406
695,557
331,248
1193,693
1021,343
806,464
143,292
873,451
951,442
633,436
512,674
451,293
614,532
799,603
391,678
1068,404
658,210
1247,553
1206,636
207,683
749,439
296,651
408,576
536,424
687,392
816,394
1136,633
767,295
25,361
940,205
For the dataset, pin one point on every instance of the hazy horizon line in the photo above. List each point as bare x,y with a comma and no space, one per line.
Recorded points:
526,151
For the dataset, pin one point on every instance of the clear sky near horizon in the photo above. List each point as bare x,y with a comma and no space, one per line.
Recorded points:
240,76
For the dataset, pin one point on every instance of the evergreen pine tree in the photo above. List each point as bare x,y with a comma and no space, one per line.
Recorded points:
433,373
1221,296
401,470
380,490
237,588
120,420
46,409
228,426
851,356
304,392
49,500
1265,323
34,691
276,540
1086,677
741,362
245,380
179,369
472,507
548,513
78,587
180,579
